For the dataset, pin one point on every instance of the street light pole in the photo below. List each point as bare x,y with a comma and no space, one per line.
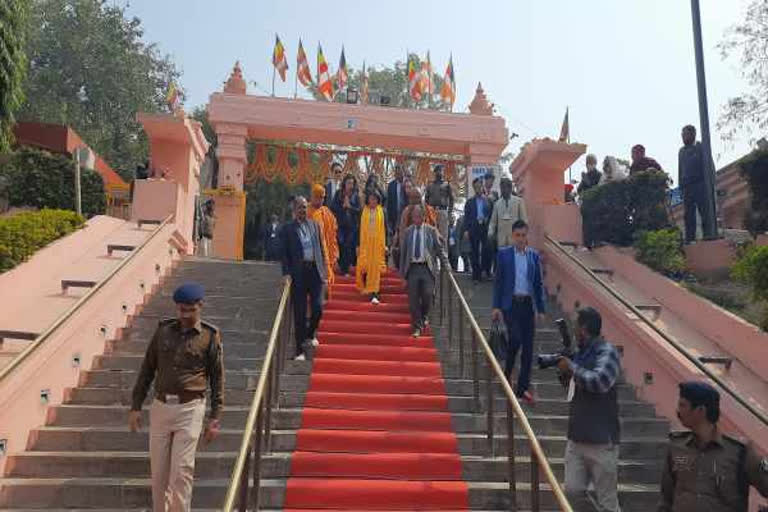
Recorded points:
78,195
706,143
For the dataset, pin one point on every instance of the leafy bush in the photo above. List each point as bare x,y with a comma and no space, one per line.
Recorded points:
36,178
752,270
755,170
661,250
616,211
21,235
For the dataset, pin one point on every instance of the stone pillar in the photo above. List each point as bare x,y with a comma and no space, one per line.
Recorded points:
483,151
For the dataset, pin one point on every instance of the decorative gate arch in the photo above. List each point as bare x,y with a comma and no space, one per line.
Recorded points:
311,133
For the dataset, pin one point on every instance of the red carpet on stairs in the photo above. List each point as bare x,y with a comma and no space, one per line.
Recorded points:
376,433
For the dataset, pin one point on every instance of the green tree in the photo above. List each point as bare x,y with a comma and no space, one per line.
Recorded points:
89,68
748,112
13,64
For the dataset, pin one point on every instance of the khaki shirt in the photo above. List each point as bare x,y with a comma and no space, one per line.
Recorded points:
182,362
505,213
713,478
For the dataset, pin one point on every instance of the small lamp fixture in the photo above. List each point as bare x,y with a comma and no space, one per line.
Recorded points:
352,95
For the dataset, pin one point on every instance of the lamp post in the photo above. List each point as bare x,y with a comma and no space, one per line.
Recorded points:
709,165
78,193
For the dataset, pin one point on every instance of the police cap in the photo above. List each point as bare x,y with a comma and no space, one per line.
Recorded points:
188,293
698,392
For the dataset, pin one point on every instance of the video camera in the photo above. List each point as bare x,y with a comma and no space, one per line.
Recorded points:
549,360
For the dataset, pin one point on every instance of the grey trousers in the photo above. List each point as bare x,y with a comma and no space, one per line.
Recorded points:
596,464
421,288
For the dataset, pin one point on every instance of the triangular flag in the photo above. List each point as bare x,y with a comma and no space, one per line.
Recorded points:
426,76
448,90
342,76
279,59
414,79
324,84
172,97
364,87
565,130
302,67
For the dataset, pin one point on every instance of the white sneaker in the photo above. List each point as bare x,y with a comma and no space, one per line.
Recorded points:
315,342
375,300
300,357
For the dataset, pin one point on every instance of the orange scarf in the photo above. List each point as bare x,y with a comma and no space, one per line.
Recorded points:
371,259
328,231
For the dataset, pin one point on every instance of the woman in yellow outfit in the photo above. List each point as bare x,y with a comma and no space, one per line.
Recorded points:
371,254
328,228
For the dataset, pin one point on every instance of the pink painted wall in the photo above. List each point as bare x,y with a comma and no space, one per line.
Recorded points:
741,339
644,351
154,199
50,365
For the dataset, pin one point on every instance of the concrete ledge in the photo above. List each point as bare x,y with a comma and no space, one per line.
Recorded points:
710,258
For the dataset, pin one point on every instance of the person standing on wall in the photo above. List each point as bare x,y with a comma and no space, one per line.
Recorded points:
691,169
706,470
518,292
477,212
371,256
507,210
346,208
592,451
640,162
418,263
590,178
184,357
304,260
333,183
439,195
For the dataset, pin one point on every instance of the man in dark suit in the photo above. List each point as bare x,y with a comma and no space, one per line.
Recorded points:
418,264
477,213
333,184
304,261
518,287
396,199
270,237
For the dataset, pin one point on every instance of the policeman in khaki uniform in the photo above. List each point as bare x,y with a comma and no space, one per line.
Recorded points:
184,356
705,470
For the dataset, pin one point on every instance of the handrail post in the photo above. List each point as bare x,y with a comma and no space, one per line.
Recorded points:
256,490
461,354
534,482
268,413
244,481
450,318
490,424
442,296
475,373
461,326
511,458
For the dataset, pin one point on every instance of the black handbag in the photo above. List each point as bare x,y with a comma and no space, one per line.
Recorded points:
498,341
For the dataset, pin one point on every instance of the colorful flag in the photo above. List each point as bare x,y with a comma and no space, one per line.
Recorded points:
172,97
342,75
565,130
364,87
426,76
324,83
414,79
448,91
302,67
279,60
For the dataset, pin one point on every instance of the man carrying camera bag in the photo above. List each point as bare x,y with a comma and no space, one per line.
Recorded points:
592,452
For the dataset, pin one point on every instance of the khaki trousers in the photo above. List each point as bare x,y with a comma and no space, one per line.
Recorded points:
174,431
596,464
442,224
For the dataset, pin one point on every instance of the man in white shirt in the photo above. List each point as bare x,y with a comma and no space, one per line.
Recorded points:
507,210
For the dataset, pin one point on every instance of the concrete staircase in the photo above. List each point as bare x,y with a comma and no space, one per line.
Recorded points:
84,457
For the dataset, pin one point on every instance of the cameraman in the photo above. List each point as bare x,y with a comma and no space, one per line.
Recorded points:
592,452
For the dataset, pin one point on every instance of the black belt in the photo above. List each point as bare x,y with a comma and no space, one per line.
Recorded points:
521,298
418,263
180,398
440,207
308,263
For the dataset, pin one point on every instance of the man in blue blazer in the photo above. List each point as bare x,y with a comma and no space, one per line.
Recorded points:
517,290
477,213
396,199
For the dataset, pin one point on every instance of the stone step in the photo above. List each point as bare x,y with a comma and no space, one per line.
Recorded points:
133,362
234,416
249,322
144,334
218,465
117,438
209,493
231,349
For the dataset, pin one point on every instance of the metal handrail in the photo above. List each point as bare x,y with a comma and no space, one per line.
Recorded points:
538,459
257,425
671,341
77,305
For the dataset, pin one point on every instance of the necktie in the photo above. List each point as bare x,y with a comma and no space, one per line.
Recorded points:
417,249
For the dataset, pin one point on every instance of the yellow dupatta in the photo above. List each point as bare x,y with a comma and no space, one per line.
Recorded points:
371,259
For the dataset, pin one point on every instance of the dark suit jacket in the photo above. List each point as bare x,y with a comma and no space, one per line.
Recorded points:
348,220
271,244
470,214
293,251
504,280
393,212
432,248
329,194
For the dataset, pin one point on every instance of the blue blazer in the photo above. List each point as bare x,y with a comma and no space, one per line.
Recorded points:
470,213
393,213
504,282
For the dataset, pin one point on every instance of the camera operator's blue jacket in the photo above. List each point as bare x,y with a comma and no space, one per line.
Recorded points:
504,284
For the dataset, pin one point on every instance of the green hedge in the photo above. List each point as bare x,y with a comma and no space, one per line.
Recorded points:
752,270
755,169
662,251
617,211
21,235
39,179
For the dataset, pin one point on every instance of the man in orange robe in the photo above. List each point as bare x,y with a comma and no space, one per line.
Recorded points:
328,228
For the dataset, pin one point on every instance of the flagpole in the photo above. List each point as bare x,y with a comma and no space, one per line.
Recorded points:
568,140
407,78
429,79
296,76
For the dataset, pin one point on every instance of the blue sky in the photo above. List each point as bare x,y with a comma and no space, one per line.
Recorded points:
624,67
